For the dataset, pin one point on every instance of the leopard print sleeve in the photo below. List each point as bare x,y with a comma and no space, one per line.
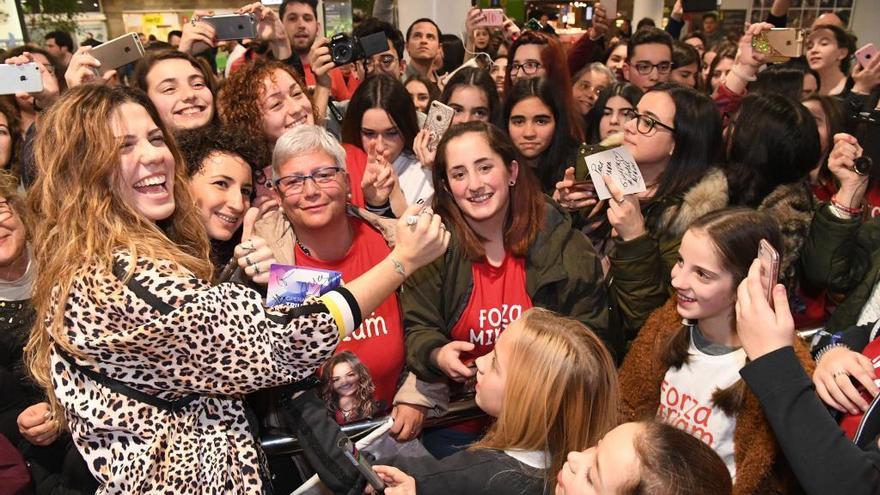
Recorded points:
211,340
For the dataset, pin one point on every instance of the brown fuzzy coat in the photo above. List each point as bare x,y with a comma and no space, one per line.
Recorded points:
760,468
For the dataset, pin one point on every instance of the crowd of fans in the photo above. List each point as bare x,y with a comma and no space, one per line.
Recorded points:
622,345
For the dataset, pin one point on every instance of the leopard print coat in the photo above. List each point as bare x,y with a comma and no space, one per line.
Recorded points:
217,342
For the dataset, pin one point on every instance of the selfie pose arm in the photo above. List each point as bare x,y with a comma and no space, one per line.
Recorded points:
321,63
270,29
822,458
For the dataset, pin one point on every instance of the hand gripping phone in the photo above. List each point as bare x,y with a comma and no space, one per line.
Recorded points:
769,259
23,78
232,26
118,52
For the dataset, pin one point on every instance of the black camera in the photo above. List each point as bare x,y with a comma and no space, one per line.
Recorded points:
345,49
864,127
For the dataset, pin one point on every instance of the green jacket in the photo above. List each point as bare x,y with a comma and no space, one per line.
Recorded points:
563,274
640,268
843,256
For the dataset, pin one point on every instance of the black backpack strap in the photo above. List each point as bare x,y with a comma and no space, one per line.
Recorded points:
118,386
124,389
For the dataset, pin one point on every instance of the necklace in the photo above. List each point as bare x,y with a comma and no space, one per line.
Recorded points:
304,249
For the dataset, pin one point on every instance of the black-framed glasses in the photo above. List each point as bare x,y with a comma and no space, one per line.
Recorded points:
294,184
645,124
529,67
385,61
645,68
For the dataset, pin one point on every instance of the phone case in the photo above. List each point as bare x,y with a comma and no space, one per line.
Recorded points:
438,121
610,9
866,54
493,18
233,26
118,52
769,259
780,44
20,79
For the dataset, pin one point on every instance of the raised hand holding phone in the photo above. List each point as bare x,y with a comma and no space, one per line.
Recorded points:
761,328
769,260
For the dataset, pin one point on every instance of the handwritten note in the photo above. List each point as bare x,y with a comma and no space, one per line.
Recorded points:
294,284
619,164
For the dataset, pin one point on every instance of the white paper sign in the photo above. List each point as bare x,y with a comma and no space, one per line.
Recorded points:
620,164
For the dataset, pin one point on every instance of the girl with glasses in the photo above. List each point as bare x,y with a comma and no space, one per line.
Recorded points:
674,136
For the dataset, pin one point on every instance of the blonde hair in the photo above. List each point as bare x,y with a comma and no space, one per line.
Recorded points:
561,394
80,219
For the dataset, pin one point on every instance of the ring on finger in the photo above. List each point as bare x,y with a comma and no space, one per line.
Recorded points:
620,201
247,260
839,373
256,268
412,220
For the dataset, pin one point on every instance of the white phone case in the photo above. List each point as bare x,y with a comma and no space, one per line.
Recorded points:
20,79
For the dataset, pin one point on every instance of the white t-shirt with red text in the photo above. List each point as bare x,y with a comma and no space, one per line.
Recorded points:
686,399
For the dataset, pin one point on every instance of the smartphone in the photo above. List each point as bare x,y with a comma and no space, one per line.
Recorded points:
491,18
118,52
232,26
866,54
699,5
780,44
769,259
23,78
438,121
362,465
533,24
610,8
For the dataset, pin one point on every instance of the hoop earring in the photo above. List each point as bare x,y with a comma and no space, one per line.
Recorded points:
511,183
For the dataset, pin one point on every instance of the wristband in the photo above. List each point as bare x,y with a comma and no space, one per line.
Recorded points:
742,76
398,266
828,347
853,212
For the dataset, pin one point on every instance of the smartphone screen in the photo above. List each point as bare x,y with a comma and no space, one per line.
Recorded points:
769,259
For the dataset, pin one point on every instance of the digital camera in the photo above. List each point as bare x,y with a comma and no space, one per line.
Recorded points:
345,49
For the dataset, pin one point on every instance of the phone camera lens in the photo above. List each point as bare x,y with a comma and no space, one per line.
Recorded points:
22,78
126,49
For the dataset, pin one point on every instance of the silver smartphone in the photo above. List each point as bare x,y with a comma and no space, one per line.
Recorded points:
118,52
23,78
233,26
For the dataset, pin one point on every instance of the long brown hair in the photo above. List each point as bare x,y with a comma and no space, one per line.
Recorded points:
735,234
562,394
80,221
525,216
366,388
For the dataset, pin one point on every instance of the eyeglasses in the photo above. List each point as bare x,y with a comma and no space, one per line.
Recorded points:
384,60
529,68
645,68
646,124
323,177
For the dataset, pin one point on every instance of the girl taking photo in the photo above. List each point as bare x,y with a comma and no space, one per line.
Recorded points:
686,372
126,316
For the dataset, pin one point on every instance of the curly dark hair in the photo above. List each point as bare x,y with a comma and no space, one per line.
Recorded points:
198,144
239,98
13,121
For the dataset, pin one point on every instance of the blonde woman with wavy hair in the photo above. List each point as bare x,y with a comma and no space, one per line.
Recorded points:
145,359
552,386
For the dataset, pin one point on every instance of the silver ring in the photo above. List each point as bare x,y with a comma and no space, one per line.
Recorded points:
256,268
620,201
412,220
247,260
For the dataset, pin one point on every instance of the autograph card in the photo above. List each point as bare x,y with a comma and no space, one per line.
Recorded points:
294,284
618,163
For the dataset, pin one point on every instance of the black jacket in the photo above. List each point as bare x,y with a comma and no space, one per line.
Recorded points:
471,471
824,460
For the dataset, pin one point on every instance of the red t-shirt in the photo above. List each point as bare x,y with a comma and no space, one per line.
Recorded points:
378,342
498,298
355,165
338,88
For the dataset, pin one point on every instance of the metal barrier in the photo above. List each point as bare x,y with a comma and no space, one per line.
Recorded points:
458,412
